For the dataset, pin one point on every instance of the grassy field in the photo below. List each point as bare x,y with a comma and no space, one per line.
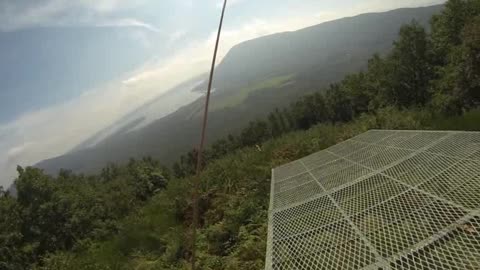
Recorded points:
239,96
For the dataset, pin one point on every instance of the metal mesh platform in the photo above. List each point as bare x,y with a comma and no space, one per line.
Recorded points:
381,200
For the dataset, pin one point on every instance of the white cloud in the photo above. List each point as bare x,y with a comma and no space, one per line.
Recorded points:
384,5
108,6
53,131
13,17
127,22
176,36
16,150
42,13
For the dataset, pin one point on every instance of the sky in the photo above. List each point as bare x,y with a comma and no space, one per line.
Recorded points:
69,68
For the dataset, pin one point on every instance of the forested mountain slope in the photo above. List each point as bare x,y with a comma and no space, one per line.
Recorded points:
255,78
326,52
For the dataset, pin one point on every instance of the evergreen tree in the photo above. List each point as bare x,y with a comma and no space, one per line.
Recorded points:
411,67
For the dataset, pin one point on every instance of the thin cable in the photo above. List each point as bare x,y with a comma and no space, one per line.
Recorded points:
202,141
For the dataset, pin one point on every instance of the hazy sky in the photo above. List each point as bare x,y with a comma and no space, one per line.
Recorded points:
70,67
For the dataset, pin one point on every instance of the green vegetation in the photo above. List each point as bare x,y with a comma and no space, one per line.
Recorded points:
138,216
238,97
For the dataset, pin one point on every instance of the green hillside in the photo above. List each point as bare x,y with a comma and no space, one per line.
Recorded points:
238,97
139,215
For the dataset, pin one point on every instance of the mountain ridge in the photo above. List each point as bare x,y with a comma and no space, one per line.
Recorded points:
316,57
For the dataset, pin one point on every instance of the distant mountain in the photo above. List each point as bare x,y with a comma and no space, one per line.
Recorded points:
324,50
254,78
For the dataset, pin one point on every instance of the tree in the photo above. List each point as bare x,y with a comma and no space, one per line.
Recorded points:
356,87
289,120
447,27
309,111
256,133
378,82
43,213
470,75
218,149
178,171
282,119
275,125
339,104
148,177
110,172
455,87
11,254
411,67
187,164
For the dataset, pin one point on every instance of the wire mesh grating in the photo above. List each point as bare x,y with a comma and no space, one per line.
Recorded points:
381,200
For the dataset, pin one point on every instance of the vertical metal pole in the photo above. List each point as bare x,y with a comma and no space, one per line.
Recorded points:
202,142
